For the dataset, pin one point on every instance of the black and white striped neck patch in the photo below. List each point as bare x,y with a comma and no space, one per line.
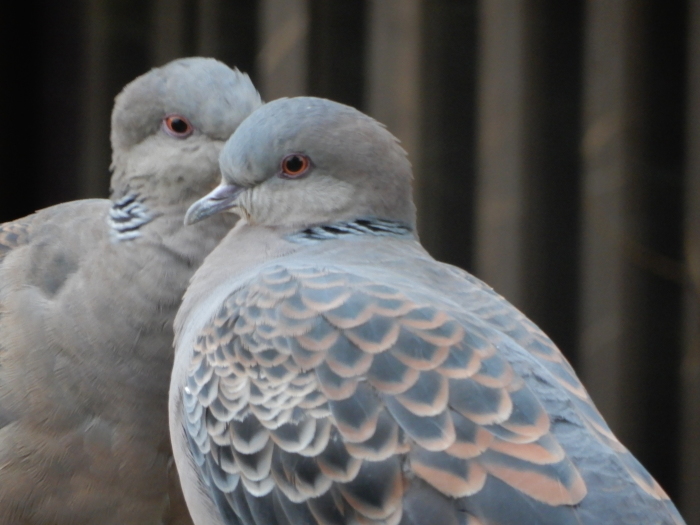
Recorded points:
368,226
126,217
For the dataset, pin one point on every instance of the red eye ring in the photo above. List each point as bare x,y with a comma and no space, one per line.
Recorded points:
177,126
295,165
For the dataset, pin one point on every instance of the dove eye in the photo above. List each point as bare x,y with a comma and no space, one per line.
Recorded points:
295,165
177,126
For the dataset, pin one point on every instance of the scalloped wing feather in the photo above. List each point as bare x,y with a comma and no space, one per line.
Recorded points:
340,398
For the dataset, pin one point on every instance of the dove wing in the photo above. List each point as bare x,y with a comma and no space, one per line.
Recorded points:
316,395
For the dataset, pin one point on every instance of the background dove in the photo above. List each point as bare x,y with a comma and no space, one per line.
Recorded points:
88,291
328,370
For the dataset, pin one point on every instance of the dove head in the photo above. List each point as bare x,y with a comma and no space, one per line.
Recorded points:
305,161
169,125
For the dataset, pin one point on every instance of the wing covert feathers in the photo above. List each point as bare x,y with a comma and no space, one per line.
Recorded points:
337,398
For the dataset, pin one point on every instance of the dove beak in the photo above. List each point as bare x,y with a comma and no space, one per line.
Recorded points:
222,198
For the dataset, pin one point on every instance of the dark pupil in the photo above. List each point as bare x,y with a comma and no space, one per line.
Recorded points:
294,164
178,125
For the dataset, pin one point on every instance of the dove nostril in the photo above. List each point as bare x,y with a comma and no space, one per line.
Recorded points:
295,165
177,126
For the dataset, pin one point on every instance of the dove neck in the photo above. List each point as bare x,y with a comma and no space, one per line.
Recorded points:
249,246
370,226
255,243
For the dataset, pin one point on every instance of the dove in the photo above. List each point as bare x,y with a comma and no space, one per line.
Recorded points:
88,294
328,370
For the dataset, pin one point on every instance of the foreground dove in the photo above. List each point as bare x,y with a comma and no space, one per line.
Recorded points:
88,293
329,371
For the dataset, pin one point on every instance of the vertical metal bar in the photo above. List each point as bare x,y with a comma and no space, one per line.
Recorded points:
690,370
605,163
604,222
447,121
528,107
631,234
282,62
393,82
501,146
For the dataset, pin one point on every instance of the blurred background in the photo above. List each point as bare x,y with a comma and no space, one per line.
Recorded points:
556,146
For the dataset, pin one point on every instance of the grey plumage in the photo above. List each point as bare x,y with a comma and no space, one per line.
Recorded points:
328,370
88,292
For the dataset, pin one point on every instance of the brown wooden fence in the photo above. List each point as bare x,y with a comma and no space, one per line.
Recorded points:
556,146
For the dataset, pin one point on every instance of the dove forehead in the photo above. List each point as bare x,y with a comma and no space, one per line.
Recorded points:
323,129
214,97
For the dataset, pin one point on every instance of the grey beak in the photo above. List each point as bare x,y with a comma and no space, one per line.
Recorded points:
222,198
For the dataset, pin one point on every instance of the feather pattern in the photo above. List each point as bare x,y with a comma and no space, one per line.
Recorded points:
363,226
318,381
126,216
